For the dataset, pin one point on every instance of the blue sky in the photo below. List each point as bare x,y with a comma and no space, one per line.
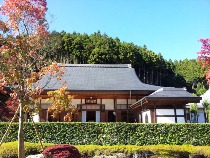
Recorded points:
169,27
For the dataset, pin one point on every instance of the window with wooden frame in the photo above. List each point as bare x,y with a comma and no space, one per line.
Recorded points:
121,106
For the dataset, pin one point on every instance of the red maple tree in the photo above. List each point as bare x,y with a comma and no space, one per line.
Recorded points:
23,34
204,56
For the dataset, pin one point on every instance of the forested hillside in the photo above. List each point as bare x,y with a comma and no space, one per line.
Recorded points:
150,66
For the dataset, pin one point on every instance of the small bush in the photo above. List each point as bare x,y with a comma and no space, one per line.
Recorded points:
61,151
10,149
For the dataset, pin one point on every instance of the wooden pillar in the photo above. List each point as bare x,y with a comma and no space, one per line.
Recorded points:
43,115
127,119
118,116
106,116
140,113
103,116
155,115
61,116
205,115
152,115
175,115
185,115
75,119
79,116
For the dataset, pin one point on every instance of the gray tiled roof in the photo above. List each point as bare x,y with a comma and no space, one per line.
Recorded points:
170,92
99,77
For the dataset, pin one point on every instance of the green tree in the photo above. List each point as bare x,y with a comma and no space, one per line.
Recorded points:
206,106
150,67
194,112
193,73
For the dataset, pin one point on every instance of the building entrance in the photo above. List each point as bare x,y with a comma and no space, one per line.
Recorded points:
111,116
91,116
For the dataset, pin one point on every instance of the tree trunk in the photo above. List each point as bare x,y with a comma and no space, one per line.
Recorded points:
157,81
205,116
160,78
21,152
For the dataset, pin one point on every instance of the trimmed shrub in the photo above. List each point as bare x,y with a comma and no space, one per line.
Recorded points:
10,149
113,133
145,151
61,151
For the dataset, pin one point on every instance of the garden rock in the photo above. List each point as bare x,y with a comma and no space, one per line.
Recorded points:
35,156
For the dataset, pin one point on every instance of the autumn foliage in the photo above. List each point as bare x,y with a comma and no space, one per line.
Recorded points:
61,101
7,106
23,35
26,16
204,56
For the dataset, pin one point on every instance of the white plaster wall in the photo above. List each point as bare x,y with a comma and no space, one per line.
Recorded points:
109,104
131,101
98,101
36,118
43,101
121,101
36,100
148,114
46,106
164,111
206,96
179,111
75,102
83,101
165,119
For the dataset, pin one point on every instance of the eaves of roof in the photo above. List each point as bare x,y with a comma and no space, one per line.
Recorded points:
146,100
173,98
128,92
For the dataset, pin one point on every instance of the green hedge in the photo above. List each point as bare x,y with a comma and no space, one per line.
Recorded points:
113,133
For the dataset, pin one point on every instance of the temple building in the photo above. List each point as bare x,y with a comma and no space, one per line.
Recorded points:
114,93
201,110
